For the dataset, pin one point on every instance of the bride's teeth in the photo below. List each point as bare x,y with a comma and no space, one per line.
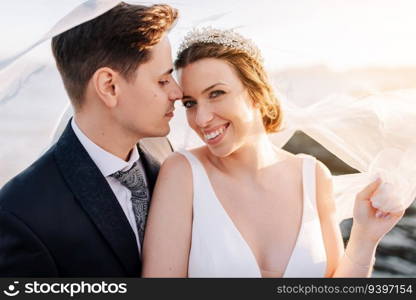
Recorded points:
214,134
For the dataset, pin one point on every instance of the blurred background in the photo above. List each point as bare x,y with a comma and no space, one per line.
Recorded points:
312,49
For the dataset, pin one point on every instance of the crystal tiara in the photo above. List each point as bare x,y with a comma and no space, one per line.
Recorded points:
226,37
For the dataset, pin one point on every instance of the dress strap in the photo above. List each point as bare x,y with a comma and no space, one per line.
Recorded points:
309,255
309,187
199,177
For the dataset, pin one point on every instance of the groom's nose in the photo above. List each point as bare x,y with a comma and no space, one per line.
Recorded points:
176,92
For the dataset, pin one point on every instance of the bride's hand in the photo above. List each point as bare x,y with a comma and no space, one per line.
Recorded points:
370,223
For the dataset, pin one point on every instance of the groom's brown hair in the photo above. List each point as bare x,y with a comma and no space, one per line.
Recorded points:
121,39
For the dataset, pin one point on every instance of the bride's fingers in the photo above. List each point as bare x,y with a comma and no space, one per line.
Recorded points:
387,215
369,190
381,214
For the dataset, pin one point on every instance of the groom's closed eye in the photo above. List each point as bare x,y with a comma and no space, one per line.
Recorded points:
164,82
166,78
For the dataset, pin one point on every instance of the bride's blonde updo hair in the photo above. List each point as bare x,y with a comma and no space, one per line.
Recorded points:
244,56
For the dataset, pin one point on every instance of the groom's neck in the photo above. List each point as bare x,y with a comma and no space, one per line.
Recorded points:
105,134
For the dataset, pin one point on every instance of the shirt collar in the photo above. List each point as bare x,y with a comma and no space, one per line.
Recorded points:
106,162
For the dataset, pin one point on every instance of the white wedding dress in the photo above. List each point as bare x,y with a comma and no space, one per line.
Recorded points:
218,248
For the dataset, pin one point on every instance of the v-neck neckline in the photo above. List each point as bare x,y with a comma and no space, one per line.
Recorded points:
235,228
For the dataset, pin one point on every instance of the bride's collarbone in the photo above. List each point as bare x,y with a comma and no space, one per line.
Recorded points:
287,173
279,190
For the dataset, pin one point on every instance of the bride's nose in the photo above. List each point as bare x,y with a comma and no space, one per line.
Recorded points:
204,115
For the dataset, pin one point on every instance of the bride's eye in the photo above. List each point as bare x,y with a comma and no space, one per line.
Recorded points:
188,104
216,93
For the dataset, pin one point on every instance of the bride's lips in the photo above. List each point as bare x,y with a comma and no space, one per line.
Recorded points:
215,135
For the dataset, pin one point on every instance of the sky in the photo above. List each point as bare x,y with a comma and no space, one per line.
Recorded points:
341,34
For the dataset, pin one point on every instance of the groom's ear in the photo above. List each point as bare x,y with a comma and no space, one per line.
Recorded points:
104,83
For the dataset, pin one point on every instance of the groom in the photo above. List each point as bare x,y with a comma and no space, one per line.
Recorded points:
80,209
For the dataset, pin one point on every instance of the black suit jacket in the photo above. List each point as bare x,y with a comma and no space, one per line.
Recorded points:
60,217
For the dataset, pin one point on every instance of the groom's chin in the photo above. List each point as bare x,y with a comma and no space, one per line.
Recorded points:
166,130
160,129
162,132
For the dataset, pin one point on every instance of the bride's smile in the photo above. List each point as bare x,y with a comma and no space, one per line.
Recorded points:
215,135
219,108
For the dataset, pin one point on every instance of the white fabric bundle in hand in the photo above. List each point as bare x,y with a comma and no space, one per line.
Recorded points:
398,174
372,134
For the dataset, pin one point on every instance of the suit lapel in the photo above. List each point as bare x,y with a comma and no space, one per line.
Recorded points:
98,200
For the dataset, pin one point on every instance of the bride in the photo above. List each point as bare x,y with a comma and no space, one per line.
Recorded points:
239,206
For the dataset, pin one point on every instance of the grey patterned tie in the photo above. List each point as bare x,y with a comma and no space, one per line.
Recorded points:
133,179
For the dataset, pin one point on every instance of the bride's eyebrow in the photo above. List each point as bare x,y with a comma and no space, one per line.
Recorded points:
186,97
212,86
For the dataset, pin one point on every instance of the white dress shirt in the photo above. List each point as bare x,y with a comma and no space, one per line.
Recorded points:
108,164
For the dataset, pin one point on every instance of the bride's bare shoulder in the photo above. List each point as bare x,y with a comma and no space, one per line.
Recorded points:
176,163
174,181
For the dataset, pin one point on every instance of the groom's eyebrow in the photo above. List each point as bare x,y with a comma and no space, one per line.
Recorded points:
168,72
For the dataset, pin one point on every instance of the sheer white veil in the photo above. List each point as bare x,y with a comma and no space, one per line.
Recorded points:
373,134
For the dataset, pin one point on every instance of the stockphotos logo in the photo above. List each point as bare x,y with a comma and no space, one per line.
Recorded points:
12,291
71,289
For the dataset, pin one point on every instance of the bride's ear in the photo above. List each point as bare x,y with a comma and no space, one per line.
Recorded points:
104,82
255,104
